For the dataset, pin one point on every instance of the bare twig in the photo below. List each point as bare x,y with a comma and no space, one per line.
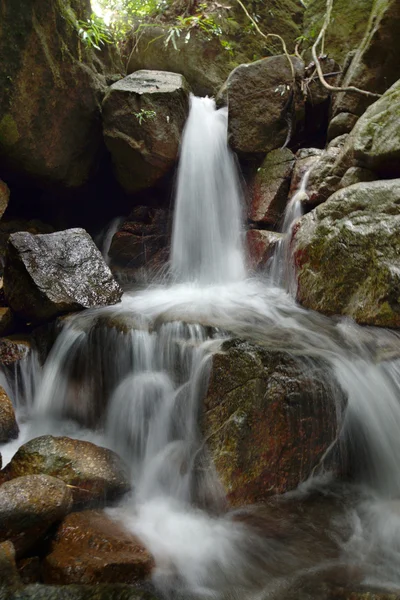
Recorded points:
320,39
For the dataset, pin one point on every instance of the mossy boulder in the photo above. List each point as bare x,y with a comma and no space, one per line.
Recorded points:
8,424
271,187
29,506
265,104
346,254
143,116
95,475
269,417
50,274
90,547
50,93
206,56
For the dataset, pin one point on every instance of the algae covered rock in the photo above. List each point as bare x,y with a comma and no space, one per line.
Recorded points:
271,187
347,254
269,417
264,104
143,118
50,274
29,505
90,547
8,425
50,94
96,475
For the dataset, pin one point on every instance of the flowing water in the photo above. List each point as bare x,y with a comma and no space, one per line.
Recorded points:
133,377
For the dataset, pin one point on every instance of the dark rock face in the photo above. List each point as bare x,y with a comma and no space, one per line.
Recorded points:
9,578
143,117
342,123
346,254
28,506
268,419
4,197
375,65
271,186
261,245
8,425
89,547
50,94
263,107
96,474
46,275
142,241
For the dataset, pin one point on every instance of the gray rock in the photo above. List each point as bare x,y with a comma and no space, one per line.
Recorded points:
305,159
82,592
346,254
46,275
263,107
324,180
143,119
29,506
342,123
356,175
97,475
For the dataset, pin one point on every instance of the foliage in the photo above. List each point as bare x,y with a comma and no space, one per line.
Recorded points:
123,14
94,32
145,115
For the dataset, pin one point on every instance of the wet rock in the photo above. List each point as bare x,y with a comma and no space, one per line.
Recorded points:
363,593
82,592
323,180
347,27
374,143
97,475
271,186
90,547
268,419
142,239
8,425
29,506
205,58
29,570
342,123
305,159
46,275
13,350
50,93
261,246
143,118
356,175
375,65
4,197
346,254
263,107
7,227
9,578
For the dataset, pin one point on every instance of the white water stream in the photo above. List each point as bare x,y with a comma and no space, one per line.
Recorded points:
141,368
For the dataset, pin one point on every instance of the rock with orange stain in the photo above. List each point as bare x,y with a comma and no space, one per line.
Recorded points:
91,548
261,245
269,418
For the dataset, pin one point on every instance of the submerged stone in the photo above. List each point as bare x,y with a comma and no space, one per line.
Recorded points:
46,275
143,119
346,254
95,475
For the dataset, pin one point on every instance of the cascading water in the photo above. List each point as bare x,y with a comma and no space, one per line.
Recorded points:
137,373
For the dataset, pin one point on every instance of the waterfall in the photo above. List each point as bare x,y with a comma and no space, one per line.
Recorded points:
207,242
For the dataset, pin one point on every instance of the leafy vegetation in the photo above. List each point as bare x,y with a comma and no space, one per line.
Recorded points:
145,115
94,32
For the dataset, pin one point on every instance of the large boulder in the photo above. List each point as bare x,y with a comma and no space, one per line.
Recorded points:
271,187
95,475
214,42
46,275
375,65
143,118
346,254
265,104
8,425
50,93
29,506
90,547
269,417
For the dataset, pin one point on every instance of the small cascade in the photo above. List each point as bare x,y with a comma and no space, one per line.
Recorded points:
281,269
207,242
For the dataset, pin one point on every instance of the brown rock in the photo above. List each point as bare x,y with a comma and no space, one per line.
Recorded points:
261,245
28,506
8,425
4,197
96,475
90,547
13,350
9,578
